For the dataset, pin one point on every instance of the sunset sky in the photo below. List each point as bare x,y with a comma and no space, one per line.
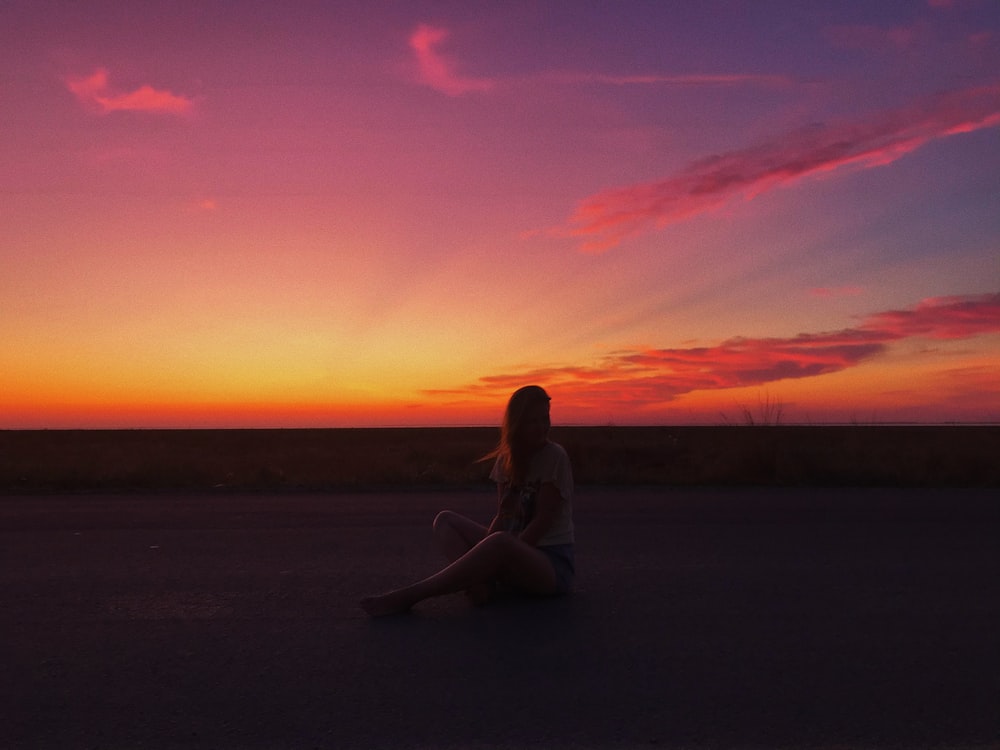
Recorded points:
335,214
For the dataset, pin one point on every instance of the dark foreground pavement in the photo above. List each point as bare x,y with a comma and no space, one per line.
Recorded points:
772,618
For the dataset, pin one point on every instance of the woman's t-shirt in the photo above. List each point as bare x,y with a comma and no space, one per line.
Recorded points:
550,464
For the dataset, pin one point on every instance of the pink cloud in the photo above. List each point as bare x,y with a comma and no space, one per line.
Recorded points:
606,219
649,377
93,91
941,318
437,70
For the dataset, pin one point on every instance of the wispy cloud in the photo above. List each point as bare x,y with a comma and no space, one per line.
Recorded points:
606,219
875,37
649,377
827,292
436,69
677,79
440,72
94,91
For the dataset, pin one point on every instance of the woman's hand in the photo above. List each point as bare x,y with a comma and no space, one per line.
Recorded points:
547,504
509,504
508,509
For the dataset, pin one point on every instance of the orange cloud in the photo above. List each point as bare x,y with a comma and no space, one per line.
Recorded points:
656,376
438,71
649,377
606,219
93,91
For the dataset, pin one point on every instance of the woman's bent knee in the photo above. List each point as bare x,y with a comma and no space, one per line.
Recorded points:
444,519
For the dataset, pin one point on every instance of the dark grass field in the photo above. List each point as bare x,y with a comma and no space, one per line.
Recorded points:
324,459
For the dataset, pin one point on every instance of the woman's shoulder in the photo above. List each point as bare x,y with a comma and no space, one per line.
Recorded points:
554,466
555,451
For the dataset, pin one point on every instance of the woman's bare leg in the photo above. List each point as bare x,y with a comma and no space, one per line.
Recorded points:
499,555
455,534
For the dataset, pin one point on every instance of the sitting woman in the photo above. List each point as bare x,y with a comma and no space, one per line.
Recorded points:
528,546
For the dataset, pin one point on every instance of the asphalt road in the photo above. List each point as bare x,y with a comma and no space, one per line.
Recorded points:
702,618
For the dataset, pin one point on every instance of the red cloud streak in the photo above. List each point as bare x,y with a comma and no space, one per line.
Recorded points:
654,376
93,91
941,318
606,219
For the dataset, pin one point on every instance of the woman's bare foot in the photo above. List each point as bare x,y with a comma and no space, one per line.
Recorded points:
393,603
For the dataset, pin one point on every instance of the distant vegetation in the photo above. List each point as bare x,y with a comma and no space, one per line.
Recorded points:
769,412
299,460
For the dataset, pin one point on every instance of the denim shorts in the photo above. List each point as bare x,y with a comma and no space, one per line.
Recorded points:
561,557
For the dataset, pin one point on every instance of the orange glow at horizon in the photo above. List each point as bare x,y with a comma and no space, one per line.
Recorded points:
866,394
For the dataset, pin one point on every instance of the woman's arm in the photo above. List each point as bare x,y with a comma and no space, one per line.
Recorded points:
500,518
547,504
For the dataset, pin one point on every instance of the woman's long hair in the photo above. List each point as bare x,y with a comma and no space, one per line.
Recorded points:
513,458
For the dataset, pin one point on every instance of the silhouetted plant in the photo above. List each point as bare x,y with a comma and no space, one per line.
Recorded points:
769,412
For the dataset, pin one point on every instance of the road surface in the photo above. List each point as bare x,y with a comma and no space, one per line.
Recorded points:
736,617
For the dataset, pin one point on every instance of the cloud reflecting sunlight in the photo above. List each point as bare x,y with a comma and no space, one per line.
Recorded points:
610,217
650,378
